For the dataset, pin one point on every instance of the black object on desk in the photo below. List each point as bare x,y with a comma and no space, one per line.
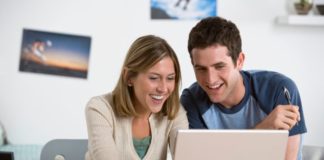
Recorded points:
6,155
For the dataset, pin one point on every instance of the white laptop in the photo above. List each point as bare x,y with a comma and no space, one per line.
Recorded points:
227,144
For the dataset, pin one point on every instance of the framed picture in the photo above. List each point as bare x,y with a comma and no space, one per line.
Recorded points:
183,9
55,53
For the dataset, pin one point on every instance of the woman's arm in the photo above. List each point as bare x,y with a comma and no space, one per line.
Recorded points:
101,143
180,122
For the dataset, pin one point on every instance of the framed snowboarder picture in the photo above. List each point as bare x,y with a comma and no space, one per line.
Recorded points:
183,9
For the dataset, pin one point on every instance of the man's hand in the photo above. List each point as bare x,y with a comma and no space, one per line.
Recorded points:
282,117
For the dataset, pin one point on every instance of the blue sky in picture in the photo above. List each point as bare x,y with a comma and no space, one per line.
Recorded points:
183,9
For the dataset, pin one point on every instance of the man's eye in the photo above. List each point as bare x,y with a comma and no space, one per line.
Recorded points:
200,69
219,67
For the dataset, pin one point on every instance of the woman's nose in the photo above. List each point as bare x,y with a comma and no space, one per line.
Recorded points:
162,87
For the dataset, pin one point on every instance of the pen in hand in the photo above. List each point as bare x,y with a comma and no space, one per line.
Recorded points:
287,95
288,98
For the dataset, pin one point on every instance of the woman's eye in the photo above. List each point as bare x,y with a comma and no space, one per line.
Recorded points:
171,78
153,78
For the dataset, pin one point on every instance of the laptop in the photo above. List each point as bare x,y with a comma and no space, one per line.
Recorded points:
228,144
6,155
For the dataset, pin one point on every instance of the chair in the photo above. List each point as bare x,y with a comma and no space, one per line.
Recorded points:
65,149
313,152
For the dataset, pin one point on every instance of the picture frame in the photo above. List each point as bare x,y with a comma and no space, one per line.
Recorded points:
183,9
55,53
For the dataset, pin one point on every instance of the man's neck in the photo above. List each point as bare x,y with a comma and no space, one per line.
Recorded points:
237,94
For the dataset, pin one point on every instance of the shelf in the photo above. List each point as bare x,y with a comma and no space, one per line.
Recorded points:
304,20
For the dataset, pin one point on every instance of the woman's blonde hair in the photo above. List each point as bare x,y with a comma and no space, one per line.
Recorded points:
143,54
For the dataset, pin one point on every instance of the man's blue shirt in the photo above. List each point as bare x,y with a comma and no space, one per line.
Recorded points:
263,92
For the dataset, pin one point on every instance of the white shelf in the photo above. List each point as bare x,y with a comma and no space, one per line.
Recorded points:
305,20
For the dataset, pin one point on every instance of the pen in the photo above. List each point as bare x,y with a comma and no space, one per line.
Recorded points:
287,95
288,98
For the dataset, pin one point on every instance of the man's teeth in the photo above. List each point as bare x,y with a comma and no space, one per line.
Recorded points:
157,97
214,86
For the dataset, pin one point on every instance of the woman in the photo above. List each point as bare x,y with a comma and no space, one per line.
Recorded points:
141,116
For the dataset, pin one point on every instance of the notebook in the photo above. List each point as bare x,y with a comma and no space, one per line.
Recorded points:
6,155
227,144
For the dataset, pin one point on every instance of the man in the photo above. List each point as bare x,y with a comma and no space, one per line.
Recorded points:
226,97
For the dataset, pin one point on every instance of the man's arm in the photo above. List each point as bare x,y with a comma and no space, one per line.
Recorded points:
284,112
293,147
282,117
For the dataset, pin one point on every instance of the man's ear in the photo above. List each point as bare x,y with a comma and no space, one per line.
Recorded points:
240,60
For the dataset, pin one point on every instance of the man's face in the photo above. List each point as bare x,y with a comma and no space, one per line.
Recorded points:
217,75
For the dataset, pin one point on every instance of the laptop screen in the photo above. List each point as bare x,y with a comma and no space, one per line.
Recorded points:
231,144
6,155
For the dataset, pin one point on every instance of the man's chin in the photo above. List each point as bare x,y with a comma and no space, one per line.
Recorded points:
214,99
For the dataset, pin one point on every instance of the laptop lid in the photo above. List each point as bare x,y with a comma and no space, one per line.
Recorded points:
6,155
196,144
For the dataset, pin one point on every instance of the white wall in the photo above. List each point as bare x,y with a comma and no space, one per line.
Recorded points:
36,108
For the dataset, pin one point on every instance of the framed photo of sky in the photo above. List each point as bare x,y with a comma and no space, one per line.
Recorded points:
55,53
183,9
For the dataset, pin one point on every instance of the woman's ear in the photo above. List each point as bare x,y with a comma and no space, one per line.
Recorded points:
129,83
126,78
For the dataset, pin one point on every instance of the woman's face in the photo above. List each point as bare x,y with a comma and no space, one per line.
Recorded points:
154,86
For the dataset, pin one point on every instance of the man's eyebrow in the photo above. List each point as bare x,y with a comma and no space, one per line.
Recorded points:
215,64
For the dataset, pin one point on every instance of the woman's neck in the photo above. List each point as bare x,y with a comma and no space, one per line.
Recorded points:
141,127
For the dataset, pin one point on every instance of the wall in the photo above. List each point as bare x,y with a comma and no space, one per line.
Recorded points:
36,108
